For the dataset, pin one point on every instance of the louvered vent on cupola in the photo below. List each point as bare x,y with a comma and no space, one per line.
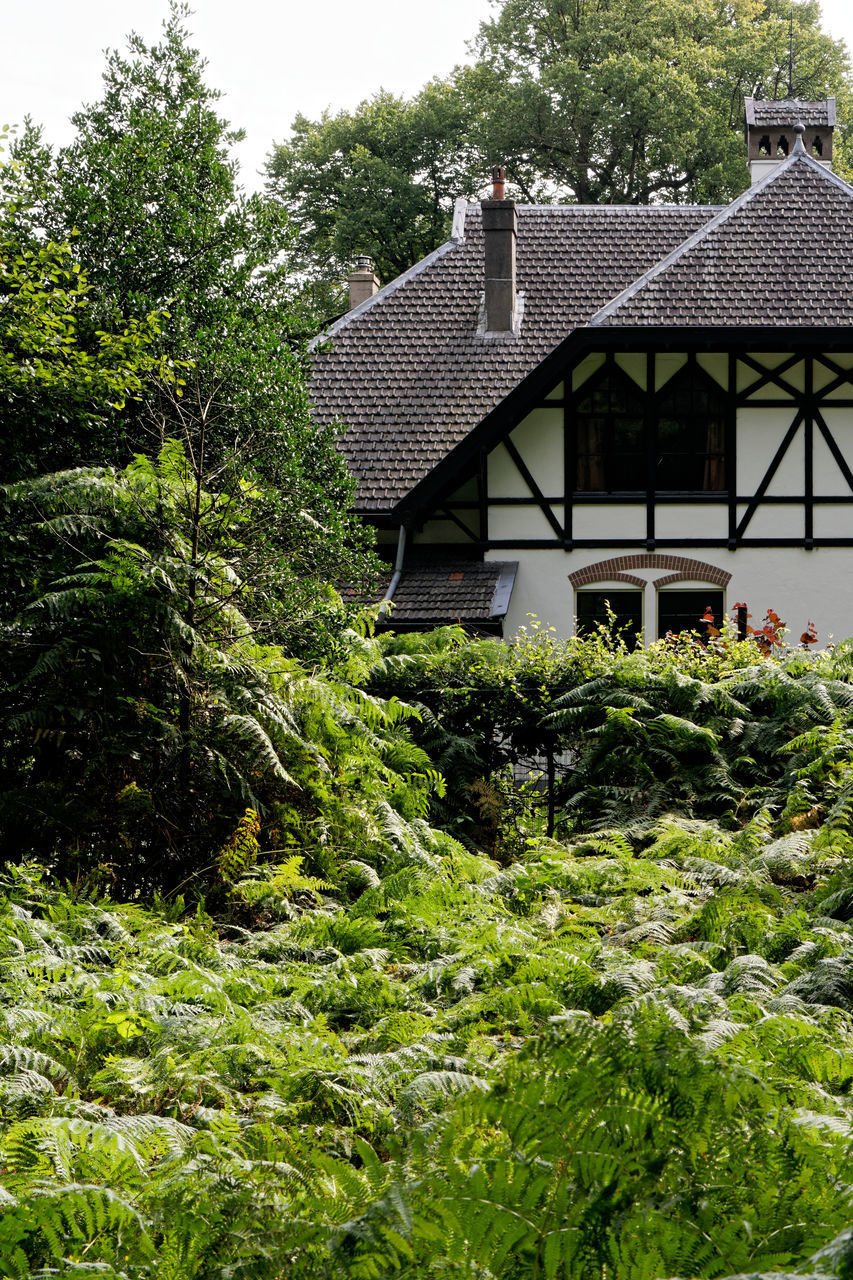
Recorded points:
771,132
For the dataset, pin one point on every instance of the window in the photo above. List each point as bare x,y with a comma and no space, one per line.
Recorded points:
594,607
684,610
678,436
610,439
691,435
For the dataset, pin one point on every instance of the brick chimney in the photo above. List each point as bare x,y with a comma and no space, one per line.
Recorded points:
363,282
500,228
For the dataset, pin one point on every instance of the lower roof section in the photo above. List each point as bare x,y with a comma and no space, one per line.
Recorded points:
473,593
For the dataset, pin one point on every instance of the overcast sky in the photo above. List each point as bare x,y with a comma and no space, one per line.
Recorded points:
271,60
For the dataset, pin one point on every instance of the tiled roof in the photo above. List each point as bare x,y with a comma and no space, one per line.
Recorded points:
779,256
784,115
470,591
409,375
407,372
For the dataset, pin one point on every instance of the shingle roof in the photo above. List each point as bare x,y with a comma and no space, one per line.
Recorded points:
409,375
765,261
469,591
406,370
784,115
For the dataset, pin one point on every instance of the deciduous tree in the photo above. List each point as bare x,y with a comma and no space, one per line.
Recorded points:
640,101
149,194
379,180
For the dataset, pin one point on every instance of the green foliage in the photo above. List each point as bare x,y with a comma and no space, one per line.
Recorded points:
61,366
142,708
380,180
173,252
635,102
592,1062
631,735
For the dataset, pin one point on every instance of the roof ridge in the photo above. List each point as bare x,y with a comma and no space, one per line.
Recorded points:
727,212
639,209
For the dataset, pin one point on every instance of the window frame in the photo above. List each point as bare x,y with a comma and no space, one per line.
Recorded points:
702,591
651,403
606,590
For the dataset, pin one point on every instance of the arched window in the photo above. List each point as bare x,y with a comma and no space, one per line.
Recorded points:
619,611
610,441
690,435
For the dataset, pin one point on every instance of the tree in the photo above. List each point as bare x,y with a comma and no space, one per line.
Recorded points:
638,102
587,101
62,368
149,194
380,180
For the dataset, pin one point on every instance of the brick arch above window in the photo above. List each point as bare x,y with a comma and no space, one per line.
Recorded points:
669,578
633,578
680,569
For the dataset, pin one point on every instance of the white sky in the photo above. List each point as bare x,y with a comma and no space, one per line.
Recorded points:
271,60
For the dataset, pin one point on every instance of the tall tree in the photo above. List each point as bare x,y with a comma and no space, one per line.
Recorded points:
379,180
149,192
638,101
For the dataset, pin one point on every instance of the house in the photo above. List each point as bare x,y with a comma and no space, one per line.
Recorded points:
646,405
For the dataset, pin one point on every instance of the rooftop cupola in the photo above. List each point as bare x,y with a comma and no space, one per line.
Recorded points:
772,133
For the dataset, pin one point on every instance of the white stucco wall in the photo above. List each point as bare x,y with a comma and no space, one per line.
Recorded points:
800,585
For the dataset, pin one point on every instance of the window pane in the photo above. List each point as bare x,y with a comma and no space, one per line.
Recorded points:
592,607
690,436
610,440
684,610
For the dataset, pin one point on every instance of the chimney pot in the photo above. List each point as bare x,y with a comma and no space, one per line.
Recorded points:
499,182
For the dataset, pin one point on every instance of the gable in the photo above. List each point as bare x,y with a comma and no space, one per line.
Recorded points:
421,391
779,256
407,372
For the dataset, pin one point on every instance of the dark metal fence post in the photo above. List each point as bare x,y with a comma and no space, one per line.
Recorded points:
551,788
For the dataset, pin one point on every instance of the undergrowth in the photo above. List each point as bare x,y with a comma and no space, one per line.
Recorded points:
595,1062
619,1054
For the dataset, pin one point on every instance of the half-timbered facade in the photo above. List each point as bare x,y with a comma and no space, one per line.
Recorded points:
651,407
